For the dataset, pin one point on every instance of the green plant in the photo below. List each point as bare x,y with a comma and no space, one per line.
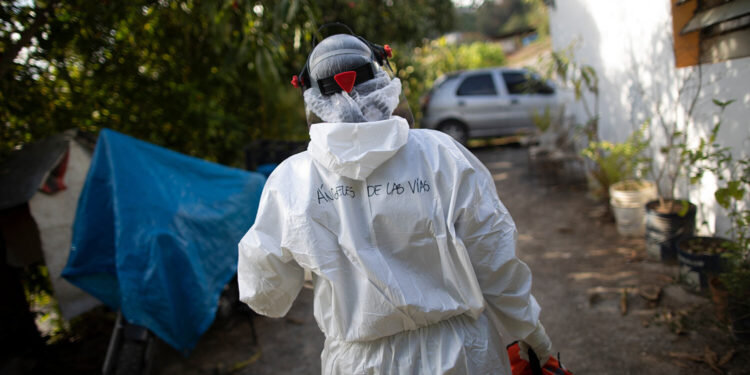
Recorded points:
682,160
42,303
543,120
732,194
674,164
616,162
561,67
733,197
582,79
199,77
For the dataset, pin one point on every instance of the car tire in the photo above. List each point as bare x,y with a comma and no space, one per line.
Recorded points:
456,130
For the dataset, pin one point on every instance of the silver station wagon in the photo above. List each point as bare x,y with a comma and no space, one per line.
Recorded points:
487,103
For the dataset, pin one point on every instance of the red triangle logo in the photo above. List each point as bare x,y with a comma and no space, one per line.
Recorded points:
346,80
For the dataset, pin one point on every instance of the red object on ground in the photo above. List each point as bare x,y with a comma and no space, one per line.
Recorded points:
519,366
346,80
56,179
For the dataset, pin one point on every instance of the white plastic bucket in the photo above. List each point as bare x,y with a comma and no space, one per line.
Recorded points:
628,200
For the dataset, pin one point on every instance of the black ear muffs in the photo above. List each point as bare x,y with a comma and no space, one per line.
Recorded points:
345,80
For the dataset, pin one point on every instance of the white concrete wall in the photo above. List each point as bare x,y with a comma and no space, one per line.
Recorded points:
629,43
54,215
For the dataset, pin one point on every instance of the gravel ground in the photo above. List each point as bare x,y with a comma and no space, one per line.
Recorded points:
584,273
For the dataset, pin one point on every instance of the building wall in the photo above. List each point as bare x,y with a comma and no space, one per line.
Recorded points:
54,215
629,43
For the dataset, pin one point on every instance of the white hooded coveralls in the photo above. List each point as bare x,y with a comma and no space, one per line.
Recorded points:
412,253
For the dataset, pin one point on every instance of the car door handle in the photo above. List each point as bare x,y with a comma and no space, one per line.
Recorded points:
514,101
461,103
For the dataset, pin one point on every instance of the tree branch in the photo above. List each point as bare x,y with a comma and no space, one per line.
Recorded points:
7,58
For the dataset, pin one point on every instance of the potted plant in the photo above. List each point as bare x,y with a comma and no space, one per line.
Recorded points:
619,167
729,277
700,257
669,218
561,66
735,278
732,195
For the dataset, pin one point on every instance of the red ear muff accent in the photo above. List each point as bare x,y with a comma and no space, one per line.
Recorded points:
388,51
295,81
346,80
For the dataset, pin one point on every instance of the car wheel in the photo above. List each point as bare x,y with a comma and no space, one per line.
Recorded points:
456,130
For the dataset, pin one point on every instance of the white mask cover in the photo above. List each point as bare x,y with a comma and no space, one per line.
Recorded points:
373,100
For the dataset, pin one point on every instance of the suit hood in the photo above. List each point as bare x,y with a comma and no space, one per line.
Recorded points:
354,150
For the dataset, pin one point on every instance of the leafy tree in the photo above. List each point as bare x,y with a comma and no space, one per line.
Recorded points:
391,21
466,20
495,18
200,77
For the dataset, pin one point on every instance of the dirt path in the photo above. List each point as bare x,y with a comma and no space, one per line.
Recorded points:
583,271
581,267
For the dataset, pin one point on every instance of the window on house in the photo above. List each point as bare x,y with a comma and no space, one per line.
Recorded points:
480,84
709,31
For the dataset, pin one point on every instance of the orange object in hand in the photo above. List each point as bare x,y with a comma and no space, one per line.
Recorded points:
520,366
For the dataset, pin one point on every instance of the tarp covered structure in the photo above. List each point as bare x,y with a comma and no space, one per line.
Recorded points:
156,234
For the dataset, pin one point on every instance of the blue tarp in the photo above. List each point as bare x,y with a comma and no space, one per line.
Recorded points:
156,234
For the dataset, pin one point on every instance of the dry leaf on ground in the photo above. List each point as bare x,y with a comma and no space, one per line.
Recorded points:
726,358
712,360
686,356
650,293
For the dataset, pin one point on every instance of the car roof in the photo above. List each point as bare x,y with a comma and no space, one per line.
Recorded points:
462,73
499,68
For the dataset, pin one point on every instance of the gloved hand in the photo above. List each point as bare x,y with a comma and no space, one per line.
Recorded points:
539,342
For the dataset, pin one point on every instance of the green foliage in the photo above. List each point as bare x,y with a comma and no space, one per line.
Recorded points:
618,161
582,79
419,67
737,283
732,192
466,20
675,163
201,77
498,18
39,295
708,155
733,174
390,22
605,164
35,280
542,119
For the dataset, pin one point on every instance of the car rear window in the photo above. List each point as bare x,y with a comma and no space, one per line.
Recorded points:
478,84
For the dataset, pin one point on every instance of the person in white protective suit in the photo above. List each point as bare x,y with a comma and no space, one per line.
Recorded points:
411,252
